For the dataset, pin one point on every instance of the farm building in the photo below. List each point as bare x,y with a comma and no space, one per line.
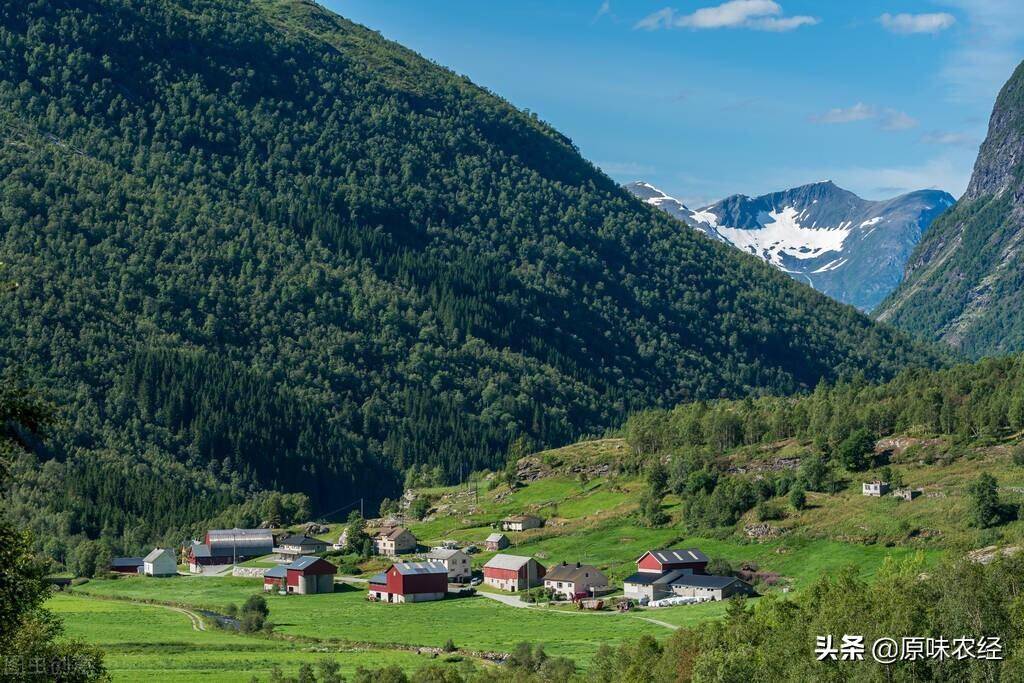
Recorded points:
127,565
709,587
160,562
513,572
410,582
496,541
305,576
294,546
661,561
656,569
521,523
228,546
456,561
875,488
393,541
574,581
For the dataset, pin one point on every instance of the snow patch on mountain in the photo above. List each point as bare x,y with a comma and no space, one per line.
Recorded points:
782,235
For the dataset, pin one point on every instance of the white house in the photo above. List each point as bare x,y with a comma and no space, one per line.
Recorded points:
571,581
160,562
456,561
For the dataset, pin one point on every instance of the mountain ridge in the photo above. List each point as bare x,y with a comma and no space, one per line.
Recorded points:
847,247
962,282
298,257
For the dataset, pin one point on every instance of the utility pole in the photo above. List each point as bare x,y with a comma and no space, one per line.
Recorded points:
361,515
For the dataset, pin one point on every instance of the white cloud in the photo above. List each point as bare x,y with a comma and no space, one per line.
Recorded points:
988,48
938,137
917,23
758,15
892,119
604,9
887,119
940,174
858,112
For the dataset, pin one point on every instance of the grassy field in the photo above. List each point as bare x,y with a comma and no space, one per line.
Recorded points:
476,623
144,642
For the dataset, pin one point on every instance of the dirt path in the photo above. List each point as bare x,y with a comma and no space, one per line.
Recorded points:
515,601
659,623
197,621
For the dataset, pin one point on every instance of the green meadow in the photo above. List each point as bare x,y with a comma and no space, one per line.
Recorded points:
476,623
148,642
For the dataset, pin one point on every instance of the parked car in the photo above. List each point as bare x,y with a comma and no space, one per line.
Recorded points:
476,581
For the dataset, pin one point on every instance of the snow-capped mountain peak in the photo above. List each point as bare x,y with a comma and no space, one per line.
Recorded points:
847,247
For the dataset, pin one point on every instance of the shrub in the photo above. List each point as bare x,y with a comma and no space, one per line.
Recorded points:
767,511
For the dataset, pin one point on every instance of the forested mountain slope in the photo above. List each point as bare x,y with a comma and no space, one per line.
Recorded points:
260,247
963,283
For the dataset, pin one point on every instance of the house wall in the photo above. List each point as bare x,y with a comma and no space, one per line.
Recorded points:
164,565
637,591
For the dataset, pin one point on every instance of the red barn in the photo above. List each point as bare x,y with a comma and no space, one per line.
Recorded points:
410,582
662,561
304,576
513,572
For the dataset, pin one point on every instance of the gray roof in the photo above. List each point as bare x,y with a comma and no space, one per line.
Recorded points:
705,581
300,540
494,538
574,573
679,555
201,550
379,579
157,552
303,562
503,561
443,553
126,562
278,572
651,578
241,538
406,568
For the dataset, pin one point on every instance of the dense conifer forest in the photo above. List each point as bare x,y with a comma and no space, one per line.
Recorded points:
258,248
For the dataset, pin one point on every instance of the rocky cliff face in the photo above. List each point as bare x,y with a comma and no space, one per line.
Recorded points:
850,248
964,283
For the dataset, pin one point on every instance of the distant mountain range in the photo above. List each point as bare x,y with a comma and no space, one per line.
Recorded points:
965,281
849,248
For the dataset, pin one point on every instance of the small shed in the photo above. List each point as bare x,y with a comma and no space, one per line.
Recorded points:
308,575
274,578
160,562
496,541
710,587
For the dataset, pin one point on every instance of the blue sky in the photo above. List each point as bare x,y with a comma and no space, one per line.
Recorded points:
706,98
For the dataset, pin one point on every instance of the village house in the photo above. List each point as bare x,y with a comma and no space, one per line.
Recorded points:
391,541
656,569
160,562
229,546
294,546
521,523
573,581
496,541
875,488
410,582
709,587
305,576
513,572
456,561
127,565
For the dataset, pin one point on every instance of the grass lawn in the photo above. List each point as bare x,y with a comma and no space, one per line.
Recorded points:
476,623
149,643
